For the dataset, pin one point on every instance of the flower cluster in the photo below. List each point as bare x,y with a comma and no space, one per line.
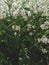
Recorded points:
18,7
29,26
44,51
16,27
45,25
3,9
44,39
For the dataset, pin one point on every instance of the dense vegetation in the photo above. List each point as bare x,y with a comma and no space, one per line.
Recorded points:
24,34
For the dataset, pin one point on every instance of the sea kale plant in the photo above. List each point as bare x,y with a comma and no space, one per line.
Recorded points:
24,32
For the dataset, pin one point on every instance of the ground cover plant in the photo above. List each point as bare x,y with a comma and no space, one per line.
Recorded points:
24,32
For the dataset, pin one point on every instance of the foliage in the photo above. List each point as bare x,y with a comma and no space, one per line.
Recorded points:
24,40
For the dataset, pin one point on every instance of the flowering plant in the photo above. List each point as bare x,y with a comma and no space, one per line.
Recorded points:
24,32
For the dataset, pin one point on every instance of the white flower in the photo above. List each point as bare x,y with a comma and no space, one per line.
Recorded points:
42,26
16,27
39,9
2,15
29,26
48,40
15,33
27,5
39,40
2,12
7,58
44,51
23,14
14,4
44,39
13,27
29,13
15,13
19,34
28,57
33,27
46,23
20,58
30,33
